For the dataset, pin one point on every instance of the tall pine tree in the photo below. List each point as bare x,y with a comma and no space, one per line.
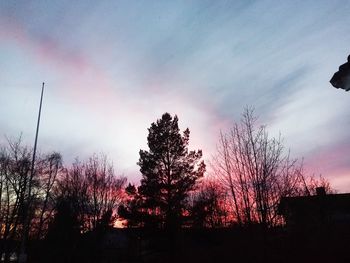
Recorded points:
169,171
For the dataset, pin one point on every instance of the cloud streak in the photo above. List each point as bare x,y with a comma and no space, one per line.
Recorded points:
113,68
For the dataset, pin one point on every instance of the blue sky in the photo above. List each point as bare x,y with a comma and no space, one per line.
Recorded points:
113,67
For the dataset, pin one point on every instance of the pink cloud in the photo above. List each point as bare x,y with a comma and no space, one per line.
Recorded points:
83,82
333,163
80,75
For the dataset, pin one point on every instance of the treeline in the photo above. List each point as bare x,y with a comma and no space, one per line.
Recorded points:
246,179
63,201
249,174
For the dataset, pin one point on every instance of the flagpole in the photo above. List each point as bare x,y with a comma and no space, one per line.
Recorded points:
23,256
36,135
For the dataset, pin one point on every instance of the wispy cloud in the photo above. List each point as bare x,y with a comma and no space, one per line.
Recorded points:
114,67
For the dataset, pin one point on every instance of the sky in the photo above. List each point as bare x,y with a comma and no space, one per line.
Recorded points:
111,68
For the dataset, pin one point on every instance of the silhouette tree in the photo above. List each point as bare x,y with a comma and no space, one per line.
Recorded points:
95,189
49,168
131,208
107,220
256,171
311,184
169,171
208,206
14,180
91,188
64,231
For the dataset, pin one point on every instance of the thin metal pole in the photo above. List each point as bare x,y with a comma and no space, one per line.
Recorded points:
23,256
36,138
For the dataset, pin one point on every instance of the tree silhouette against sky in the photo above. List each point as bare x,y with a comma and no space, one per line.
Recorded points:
169,170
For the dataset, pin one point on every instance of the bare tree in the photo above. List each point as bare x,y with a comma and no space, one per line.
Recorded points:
48,169
208,205
104,189
94,187
256,171
91,188
312,183
14,176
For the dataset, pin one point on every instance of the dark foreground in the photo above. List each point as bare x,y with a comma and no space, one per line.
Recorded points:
201,245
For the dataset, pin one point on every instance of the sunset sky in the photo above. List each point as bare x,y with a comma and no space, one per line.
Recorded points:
113,67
